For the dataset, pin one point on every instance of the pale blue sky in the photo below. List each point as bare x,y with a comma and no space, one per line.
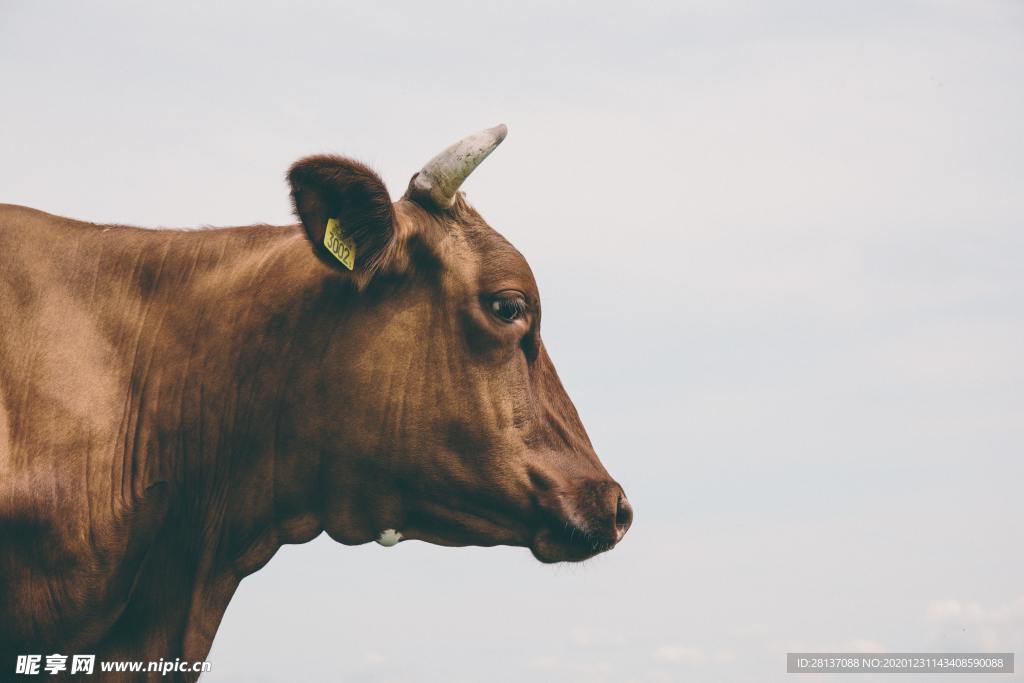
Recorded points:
780,249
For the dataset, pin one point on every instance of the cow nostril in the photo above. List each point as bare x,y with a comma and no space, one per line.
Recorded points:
623,516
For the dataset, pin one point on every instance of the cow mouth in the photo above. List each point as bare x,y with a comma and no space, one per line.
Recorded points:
567,542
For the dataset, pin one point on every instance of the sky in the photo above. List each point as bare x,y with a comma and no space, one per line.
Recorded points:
779,247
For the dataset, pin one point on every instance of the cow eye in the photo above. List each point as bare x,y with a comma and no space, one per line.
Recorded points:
509,306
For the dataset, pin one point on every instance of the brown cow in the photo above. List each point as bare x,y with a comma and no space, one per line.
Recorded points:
177,404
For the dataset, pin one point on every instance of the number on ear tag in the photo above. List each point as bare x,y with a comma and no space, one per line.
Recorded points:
339,244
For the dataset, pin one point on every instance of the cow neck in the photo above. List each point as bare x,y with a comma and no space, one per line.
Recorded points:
211,324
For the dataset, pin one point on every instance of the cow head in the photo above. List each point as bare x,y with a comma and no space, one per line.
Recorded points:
435,408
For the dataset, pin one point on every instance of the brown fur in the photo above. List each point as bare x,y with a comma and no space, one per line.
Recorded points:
175,405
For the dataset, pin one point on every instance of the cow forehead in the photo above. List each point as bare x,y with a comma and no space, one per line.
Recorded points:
501,266
467,244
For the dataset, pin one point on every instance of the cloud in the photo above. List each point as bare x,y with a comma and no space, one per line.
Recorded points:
680,654
849,645
969,625
546,663
861,645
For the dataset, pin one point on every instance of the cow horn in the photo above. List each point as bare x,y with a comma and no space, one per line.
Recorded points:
441,177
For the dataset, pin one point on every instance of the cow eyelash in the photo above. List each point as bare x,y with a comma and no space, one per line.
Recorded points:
509,307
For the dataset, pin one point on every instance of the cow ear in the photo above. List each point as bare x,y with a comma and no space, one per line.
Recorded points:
346,212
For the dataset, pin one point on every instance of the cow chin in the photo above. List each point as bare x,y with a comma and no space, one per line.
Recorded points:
443,526
549,546
568,543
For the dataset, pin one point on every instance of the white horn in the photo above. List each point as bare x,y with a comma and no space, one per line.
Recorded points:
441,177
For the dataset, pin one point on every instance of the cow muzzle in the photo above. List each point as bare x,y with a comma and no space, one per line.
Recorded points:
582,521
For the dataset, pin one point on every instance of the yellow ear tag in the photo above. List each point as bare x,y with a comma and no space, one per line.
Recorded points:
339,244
